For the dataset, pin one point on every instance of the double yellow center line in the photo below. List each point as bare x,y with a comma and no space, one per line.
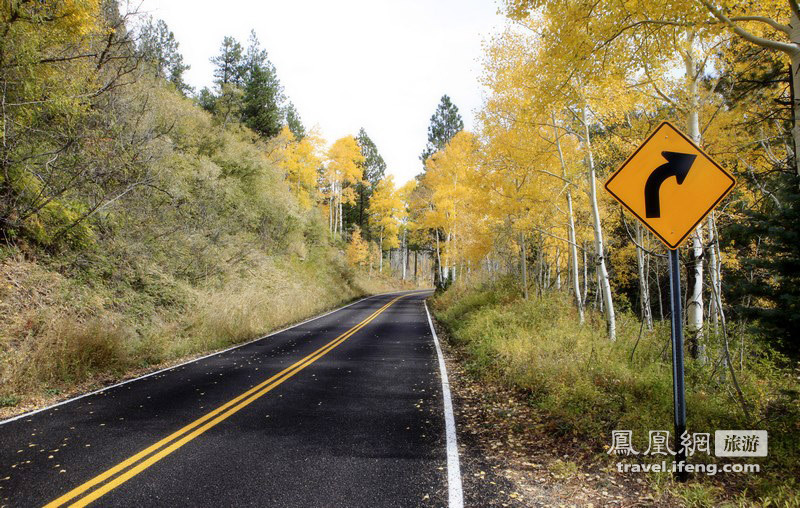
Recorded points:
159,450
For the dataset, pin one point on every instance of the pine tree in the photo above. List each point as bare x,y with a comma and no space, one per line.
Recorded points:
294,122
263,95
206,99
158,47
445,123
767,289
374,165
228,77
228,64
373,169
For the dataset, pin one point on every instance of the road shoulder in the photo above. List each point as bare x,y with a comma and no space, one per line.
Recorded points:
508,458
101,384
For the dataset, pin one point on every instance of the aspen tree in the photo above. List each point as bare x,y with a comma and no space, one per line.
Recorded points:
300,159
386,211
357,248
342,172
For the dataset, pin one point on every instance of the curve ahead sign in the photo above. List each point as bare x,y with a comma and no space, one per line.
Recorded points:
670,184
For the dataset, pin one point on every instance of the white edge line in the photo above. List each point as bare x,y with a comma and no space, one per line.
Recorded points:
455,491
165,369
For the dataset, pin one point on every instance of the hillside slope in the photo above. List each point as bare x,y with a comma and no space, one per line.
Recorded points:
199,244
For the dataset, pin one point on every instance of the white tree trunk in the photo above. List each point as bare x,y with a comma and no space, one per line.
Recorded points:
447,272
380,249
573,247
404,255
558,268
602,271
598,299
337,210
694,307
330,212
524,265
439,259
341,221
644,285
714,271
336,213
585,276
546,273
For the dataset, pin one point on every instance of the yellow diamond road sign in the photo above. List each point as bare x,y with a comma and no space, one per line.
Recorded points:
670,184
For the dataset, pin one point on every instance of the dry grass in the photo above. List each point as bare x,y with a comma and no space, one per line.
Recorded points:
263,302
69,352
59,336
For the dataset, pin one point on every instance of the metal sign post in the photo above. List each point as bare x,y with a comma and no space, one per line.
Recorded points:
678,391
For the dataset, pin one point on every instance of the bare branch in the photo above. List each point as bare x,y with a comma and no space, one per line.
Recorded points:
632,239
763,19
788,48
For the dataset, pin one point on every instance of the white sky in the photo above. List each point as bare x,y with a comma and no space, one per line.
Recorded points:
345,64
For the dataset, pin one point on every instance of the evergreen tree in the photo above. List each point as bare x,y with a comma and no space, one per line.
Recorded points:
767,288
206,99
158,47
228,77
263,94
228,64
445,123
177,68
294,122
373,169
374,165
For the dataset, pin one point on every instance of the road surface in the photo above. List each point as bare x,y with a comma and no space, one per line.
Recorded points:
343,410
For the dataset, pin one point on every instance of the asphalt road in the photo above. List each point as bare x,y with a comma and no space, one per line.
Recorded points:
344,410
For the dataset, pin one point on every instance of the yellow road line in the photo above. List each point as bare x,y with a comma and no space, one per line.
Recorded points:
204,423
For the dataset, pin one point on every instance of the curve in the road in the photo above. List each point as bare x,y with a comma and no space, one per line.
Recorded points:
365,426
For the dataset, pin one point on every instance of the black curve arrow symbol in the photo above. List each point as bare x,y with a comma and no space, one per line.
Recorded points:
677,165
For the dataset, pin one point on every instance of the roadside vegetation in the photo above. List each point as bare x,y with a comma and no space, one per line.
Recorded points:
68,333
141,222
585,386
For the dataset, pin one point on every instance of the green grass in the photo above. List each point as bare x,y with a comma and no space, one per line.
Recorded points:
9,401
588,386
